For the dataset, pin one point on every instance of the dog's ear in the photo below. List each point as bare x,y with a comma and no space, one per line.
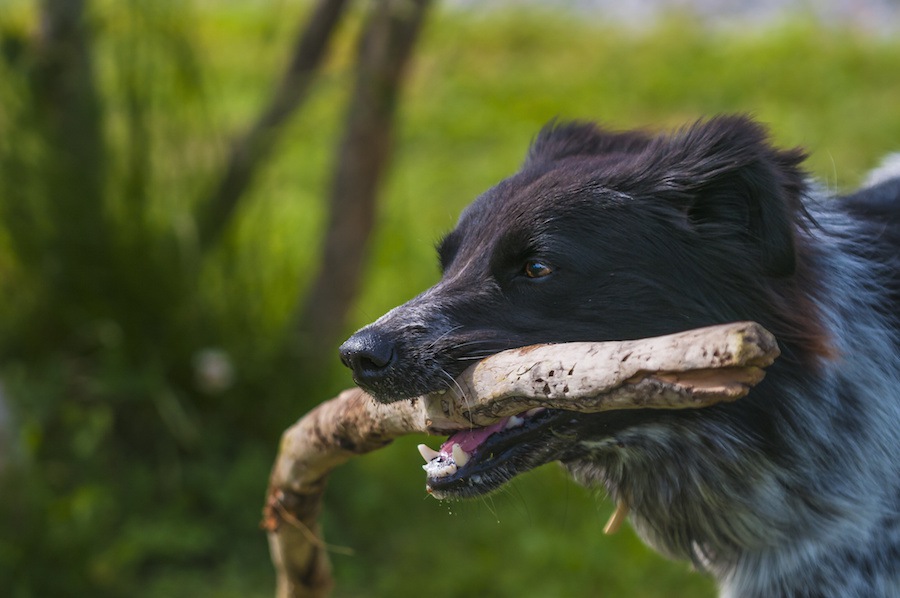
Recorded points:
558,140
730,181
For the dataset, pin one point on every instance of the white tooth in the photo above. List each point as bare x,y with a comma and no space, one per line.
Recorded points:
440,392
534,411
427,452
514,422
460,457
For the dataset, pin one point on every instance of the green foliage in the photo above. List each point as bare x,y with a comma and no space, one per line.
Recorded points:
128,477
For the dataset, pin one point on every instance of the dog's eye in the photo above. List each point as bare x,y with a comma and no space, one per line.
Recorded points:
537,269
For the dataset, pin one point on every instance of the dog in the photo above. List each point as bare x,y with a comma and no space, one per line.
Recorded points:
793,491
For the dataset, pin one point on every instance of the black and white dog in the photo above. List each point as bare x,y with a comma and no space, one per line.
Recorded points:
793,491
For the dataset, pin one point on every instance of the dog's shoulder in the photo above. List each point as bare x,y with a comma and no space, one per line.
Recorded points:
879,198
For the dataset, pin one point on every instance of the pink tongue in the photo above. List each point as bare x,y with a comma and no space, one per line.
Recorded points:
469,440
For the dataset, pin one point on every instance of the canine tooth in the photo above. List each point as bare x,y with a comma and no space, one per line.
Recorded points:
460,457
427,452
534,411
514,422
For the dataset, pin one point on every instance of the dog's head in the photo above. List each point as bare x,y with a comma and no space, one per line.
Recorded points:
600,236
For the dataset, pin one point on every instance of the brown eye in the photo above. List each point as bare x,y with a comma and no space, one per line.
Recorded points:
537,269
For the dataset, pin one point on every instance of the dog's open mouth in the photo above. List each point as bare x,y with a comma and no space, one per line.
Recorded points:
478,460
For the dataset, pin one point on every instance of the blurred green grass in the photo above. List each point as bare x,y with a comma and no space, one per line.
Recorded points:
481,86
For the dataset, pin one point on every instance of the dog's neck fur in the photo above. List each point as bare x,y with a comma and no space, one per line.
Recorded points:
772,521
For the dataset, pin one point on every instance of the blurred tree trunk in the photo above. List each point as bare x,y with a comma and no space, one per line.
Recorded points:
69,113
250,150
64,83
385,48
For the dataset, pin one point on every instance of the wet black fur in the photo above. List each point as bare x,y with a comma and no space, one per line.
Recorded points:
792,491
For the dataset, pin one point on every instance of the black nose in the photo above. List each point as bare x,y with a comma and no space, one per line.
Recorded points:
369,354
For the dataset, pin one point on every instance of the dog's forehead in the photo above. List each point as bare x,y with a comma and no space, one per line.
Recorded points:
536,198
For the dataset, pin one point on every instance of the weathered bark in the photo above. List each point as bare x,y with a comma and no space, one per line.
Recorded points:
384,52
687,370
329,435
250,150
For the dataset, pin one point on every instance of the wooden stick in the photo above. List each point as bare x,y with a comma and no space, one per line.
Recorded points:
689,369
686,370
351,424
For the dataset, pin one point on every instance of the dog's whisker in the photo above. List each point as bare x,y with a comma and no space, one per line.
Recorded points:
475,357
477,349
447,333
459,390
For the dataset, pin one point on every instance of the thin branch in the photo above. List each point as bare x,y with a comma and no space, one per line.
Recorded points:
250,150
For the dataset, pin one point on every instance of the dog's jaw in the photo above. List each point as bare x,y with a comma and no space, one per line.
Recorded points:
477,461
